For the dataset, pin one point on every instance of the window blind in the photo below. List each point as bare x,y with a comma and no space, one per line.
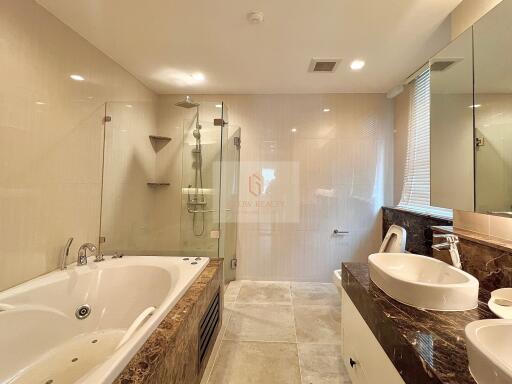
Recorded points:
416,186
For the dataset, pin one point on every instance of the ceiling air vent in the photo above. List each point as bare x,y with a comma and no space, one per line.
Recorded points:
323,65
442,64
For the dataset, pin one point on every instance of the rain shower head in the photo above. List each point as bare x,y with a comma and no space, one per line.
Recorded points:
187,103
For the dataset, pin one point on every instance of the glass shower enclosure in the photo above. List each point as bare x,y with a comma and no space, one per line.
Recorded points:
170,180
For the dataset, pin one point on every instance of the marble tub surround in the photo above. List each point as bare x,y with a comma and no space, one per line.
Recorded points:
287,333
424,346
487,258
170,354
418,227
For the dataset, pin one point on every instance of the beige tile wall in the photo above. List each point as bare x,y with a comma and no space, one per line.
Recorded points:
346,152
496,226
50,137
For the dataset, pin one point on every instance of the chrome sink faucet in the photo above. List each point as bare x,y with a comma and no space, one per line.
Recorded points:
451,246
82,253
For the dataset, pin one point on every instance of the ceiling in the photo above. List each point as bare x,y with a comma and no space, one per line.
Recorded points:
163,42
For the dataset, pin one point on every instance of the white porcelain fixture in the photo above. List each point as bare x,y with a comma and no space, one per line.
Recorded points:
394,241
43,339
336,279
423,282
489,346
500,303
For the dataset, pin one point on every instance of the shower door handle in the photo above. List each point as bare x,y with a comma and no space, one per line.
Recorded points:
339,232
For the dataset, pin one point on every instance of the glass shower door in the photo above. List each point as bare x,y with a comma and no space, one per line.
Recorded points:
201,176
229,203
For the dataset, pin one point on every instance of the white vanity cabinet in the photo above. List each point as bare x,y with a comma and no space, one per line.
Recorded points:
363,356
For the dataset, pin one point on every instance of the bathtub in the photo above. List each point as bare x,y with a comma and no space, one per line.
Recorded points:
84,324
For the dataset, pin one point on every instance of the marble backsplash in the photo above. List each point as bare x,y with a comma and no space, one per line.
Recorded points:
418,227
487,258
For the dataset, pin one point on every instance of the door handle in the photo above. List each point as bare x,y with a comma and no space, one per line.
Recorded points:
339,232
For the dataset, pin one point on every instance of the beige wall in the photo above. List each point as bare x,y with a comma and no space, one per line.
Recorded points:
345,176
468,12
50,138
495,226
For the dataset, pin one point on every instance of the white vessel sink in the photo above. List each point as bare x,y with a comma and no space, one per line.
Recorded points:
489,346
423,282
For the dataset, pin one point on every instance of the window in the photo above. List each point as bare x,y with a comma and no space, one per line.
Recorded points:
416,187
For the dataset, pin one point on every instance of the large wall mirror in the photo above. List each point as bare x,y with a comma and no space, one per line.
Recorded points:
493,111
471,118
451,122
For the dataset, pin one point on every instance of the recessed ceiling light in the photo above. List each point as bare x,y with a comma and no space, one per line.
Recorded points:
475,106
40,103
327,109
198,76
294,130
129,106
255,17
77,77
357,65
218,105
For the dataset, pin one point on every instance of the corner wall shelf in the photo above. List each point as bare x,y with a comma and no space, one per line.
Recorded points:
160,138
154,184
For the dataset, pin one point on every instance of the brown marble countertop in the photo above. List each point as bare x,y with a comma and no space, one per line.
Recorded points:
490,241
143,365
424,346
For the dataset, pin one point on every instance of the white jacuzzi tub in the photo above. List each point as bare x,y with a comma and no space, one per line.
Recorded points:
43,341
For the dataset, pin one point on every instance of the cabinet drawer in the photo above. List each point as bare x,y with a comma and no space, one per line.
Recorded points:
363,356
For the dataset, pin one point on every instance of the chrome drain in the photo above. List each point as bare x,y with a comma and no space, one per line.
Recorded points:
83,311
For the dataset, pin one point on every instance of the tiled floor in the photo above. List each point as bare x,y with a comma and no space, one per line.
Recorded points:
278,333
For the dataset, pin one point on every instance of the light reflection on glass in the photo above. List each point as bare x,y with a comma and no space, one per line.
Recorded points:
269,175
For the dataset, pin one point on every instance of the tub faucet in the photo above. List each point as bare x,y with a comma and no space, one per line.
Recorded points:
451,245
82,253
65,254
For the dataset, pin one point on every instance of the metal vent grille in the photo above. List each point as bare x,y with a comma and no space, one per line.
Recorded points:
442,64
323,65
207,327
